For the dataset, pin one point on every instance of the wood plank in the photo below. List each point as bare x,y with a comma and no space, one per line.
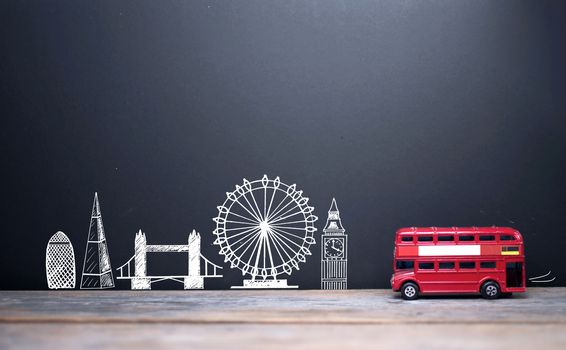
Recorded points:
538,306
282,336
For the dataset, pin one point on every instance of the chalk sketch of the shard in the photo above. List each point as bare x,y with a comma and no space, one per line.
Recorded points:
97,272
60,262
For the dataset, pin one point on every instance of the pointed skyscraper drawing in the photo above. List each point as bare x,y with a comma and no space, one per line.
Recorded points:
97,272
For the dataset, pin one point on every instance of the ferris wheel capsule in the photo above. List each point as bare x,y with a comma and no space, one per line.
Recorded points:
264,181
222,209
291,189
276,182
310,240
305,251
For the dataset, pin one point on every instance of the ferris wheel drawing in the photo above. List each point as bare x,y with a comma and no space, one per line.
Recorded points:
265,228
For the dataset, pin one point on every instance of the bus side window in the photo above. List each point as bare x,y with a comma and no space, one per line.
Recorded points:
506,238
426,266
404,264
406,238
487,238
467,265
445,265
487,265
425,239
445,238
466,238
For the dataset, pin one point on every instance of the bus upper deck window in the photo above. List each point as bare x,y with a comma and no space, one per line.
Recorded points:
487,238
445,238
425,239
506,238
466,238
406,238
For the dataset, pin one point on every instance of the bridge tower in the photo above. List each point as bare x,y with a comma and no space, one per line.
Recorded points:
140,281
194,280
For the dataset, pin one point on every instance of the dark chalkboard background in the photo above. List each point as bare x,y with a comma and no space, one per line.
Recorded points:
410,113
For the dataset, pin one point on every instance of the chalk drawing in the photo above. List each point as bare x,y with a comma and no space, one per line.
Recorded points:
543,278
97,272
265,228
334,252
60,262
194,279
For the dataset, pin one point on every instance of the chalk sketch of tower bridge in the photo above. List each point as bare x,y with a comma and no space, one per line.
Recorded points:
194,278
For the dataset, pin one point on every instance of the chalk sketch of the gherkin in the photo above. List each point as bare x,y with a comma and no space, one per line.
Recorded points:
97,272
60,262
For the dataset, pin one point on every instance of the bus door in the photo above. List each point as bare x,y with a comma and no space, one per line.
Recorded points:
514,274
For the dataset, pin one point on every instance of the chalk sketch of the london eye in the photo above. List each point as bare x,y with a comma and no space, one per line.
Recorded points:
265,228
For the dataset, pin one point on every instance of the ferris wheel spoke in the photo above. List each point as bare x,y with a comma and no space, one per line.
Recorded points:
284,244
240,228
251,207
246,232
256,206
241,222
270,203
256,245
290,222
264,202
247,243
286,215
278,209
280,242
246,209
272,241
284,234
288,228
251,221
269,251
252,241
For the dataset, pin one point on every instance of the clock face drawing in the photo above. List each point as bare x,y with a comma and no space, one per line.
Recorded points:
334,247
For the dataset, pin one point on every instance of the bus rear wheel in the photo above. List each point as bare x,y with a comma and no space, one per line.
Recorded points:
410,291
490,290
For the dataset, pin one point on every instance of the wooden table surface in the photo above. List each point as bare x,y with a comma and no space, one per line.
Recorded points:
301,319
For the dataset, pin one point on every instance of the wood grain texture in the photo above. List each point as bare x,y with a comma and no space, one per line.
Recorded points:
279,319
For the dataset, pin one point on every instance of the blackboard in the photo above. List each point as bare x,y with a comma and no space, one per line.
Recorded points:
409,113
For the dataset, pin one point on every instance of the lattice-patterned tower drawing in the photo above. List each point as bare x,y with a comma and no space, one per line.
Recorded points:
60,262
97,272
334,255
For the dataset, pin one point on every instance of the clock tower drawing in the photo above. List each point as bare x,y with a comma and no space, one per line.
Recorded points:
334,254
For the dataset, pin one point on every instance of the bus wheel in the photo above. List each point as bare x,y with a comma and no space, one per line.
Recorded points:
410,291
490,290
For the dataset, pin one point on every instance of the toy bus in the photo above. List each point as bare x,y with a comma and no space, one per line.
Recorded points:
457,260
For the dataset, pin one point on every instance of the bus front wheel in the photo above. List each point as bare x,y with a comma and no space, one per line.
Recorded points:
490,290
410,291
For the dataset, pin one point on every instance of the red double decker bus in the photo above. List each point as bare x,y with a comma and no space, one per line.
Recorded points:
455,260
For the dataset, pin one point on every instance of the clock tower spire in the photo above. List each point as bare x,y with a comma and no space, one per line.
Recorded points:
334,254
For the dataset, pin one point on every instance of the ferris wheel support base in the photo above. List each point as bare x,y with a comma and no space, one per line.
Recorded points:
265,284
